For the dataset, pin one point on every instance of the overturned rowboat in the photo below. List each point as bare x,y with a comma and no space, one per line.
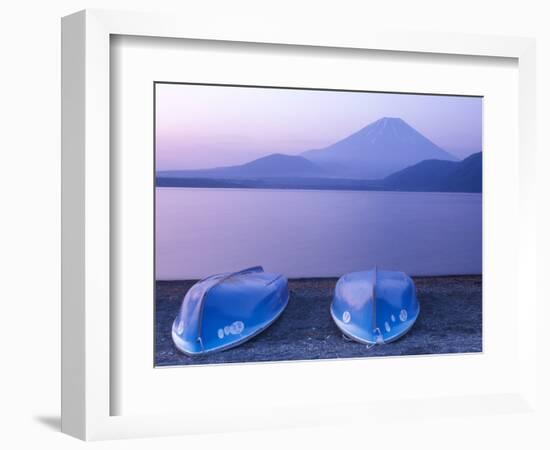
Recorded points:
375,306
225,310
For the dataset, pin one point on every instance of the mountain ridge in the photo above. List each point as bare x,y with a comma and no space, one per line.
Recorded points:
342,165
427,176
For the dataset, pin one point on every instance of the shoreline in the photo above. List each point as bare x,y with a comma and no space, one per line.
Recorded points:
450,321
306,279
313,189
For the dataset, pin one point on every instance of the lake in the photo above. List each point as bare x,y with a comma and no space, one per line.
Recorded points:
309,233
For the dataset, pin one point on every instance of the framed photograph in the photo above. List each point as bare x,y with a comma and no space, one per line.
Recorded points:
304,212
257,222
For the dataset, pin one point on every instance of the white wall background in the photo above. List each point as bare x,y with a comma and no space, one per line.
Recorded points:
30,188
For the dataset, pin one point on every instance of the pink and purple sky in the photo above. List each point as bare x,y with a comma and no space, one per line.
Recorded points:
210,126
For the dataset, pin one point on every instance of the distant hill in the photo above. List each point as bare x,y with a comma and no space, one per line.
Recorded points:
377,150
272,166
441,176
427,176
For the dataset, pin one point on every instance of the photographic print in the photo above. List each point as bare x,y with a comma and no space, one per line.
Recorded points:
304,224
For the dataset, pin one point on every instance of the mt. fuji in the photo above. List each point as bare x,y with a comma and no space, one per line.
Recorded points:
377,150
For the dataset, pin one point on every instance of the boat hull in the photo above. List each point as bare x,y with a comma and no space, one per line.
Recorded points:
375,307
226,310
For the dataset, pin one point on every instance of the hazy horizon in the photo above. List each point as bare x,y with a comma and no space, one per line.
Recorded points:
201,126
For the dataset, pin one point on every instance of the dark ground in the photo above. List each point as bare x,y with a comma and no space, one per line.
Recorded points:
449,322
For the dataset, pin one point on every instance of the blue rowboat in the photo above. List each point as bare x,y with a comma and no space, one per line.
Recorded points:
225,310
375,306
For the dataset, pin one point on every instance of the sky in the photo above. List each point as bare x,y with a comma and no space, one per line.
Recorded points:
210,126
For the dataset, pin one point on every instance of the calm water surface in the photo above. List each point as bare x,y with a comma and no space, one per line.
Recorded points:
315,233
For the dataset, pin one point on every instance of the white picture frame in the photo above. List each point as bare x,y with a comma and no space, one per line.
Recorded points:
86,222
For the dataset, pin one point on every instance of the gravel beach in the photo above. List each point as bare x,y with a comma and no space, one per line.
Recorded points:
450,321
